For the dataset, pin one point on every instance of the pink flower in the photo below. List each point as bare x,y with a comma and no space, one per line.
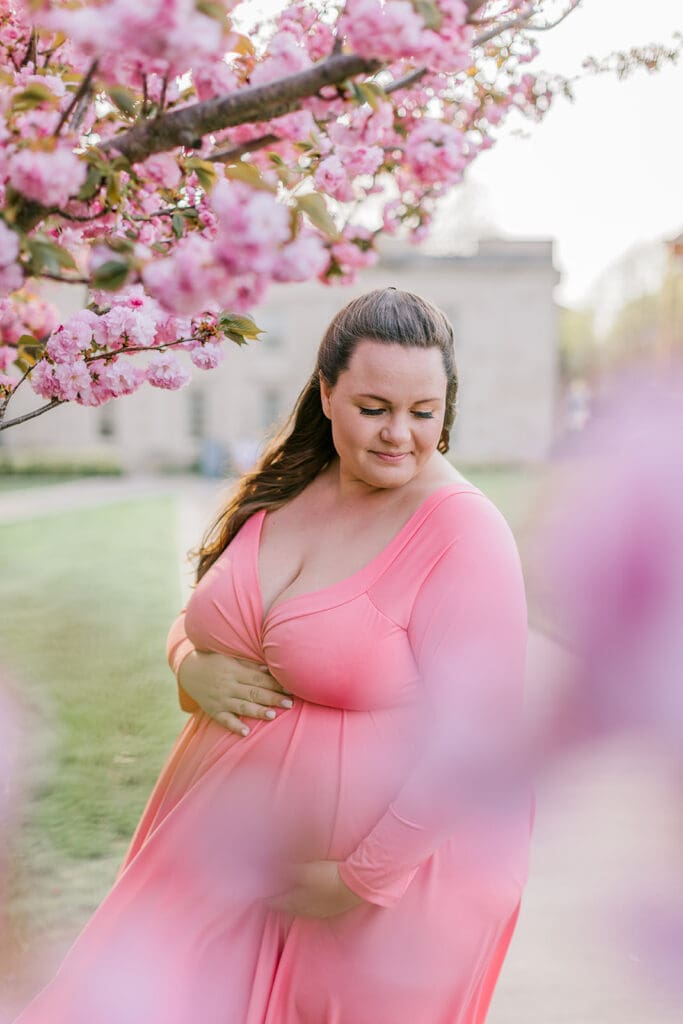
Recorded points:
331,179
121,377
208,356
165,371
9,245
434,152
188,281
302,259
362,160
47,178
73,380
43,380
386,32
161,170
250,226
11,279
172,328
214,79
391,220
74,337
284,57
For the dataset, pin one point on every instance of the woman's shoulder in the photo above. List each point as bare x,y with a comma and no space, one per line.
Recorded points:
458,509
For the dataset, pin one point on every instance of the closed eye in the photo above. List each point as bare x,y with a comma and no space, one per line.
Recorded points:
378,412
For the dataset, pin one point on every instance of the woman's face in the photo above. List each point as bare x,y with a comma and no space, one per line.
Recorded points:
387,411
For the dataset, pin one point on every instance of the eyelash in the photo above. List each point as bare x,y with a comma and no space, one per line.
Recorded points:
377,412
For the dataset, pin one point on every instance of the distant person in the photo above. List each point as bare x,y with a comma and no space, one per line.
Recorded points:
360,605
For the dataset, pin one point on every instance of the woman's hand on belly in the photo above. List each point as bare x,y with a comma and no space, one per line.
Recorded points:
315,889
227,688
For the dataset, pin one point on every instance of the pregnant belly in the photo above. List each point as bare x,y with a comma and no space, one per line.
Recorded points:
309,785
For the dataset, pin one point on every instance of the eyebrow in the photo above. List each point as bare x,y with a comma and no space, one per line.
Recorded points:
378,398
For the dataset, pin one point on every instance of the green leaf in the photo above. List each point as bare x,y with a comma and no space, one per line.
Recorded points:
430,12
315,208
232,323
205,171
212,10
248,173
178,222
239,339
113,194
120,245
91,185
29,351
33,96
123,99
371,93
111,275
47,255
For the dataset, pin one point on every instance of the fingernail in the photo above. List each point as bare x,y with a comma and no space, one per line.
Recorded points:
270,714
287,703
245,731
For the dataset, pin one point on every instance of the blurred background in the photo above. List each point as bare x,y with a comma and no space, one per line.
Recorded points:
558,262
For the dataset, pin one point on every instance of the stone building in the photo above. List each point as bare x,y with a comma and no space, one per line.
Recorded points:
499,300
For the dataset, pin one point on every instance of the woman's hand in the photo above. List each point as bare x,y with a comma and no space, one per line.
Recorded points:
315,890
226,688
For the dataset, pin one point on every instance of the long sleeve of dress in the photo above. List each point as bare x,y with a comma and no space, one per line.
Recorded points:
178,646
467,630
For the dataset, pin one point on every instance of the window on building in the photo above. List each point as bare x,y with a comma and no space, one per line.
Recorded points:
196,413
106,420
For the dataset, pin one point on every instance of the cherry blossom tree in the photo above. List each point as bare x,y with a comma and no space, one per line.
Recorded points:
177,165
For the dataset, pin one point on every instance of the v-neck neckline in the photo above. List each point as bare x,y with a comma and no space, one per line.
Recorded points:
347,587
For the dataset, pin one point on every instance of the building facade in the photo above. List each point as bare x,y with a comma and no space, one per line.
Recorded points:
499,300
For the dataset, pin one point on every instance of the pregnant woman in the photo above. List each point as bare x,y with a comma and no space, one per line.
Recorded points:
320,850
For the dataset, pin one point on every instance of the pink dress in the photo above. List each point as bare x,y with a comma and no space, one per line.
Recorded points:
391,670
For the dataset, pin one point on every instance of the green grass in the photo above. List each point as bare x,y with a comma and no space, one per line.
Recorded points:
87,600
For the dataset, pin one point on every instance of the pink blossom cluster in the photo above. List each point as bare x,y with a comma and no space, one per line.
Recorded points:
251,245
87,358
48,178
179,247
395,30
436,152
163,37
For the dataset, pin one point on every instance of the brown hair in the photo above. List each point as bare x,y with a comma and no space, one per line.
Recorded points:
303,446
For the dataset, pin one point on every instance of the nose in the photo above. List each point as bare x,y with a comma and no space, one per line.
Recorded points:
396,430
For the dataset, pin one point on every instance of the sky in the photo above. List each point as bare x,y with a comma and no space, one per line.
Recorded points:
603,175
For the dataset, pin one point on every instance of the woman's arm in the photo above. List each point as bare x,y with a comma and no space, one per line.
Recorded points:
224,687
468,631
178,646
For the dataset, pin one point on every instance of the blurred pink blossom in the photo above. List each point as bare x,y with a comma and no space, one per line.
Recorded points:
49,178
612,551
9,245
302,259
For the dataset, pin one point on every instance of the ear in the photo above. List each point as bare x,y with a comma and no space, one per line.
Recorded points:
325,392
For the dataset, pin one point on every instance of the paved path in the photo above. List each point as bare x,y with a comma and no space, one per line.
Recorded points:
605,829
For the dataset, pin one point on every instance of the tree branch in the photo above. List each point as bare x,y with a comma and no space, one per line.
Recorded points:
5,425
226,156
78,95
187,126
414,76
558,21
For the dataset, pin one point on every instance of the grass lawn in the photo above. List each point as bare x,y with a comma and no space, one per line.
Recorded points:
87,600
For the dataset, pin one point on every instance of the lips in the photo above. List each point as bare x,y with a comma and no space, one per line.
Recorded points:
391,456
